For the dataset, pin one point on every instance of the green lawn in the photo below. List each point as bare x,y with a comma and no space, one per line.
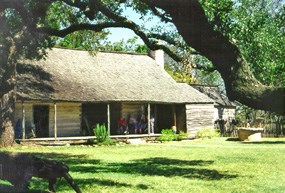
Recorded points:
215,165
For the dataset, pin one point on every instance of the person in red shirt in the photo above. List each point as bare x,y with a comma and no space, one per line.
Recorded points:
122,126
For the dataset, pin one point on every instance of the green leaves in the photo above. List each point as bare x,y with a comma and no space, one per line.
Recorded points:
130,45
88,40
258,29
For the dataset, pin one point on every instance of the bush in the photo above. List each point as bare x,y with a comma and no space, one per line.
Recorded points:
102,135
169,135
181,135
166,135
207,132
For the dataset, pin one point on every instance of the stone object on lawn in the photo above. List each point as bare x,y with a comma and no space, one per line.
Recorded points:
136,141
249,134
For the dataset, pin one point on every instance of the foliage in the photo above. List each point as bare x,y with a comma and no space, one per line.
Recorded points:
166,135
208,133
181,135
102,135
169,135
87,40
61,15
257,28
130,45
180,74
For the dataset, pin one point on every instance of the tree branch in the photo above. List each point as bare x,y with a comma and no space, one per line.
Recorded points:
163,37
89,9
119,21
77,27
207,69
191,22
158,13
137,30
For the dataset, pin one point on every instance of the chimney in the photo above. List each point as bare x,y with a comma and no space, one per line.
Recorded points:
158,56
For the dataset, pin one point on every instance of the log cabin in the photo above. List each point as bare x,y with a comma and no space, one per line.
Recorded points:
224,108
70,91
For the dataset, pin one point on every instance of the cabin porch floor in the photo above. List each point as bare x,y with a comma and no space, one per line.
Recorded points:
89,137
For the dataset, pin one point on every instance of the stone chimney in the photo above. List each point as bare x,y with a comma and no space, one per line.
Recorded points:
158,56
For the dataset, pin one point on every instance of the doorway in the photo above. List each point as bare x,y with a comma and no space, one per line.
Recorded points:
41,120
164,117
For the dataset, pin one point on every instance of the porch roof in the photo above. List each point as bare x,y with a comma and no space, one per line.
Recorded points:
76,75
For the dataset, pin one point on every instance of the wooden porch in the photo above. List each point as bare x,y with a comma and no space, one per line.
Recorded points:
90,137
166,114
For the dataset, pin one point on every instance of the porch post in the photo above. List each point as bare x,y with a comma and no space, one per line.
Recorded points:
23,121
174,115
55,126
148,118
108,117
155,116
174,118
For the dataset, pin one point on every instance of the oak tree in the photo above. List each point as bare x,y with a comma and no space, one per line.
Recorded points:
29,27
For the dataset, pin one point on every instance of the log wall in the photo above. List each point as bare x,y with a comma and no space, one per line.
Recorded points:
225,113
199,116
228,113
129,108
68,117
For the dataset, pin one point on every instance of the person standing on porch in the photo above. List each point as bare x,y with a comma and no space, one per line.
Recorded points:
122,126
152,121
142,123
133,123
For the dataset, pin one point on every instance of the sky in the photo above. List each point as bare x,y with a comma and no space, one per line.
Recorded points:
118,34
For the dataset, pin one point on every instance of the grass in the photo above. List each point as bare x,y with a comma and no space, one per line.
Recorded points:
216,165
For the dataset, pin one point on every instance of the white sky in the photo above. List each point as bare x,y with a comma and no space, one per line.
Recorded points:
118,34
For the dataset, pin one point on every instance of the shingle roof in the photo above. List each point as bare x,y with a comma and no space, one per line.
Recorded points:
76,75
214,93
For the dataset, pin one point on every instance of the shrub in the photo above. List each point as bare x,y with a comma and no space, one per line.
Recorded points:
102,135
166,135
207,132
169,135
181,135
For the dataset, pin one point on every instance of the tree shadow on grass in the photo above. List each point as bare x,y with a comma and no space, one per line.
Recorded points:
154,166
159,166
233,139
256,142
265,142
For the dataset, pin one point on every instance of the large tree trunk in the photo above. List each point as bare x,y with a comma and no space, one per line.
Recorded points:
7,98
7,119
241,85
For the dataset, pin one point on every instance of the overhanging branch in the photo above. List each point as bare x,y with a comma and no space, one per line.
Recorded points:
156,12
137,30
118,21
77,27
241,85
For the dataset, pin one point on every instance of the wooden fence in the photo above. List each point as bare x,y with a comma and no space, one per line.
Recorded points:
275,128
